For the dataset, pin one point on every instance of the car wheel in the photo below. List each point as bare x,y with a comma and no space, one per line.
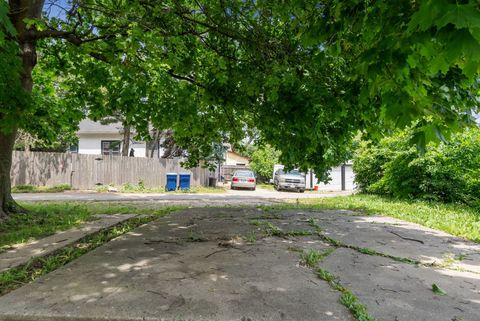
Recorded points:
232,187
253,188
301,191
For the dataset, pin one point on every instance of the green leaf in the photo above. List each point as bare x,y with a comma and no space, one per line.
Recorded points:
460,15
437,290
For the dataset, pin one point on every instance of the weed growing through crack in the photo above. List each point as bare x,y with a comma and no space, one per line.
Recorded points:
272,230
196,237
251,237
311,257
298,233
347,298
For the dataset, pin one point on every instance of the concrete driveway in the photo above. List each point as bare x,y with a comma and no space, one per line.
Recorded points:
246,264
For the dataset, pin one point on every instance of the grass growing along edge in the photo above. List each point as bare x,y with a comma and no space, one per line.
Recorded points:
455,219
41,189
36,267
46,218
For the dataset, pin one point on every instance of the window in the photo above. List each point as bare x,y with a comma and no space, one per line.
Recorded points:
111,147
73,148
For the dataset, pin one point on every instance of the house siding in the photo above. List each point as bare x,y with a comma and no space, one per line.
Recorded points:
91,144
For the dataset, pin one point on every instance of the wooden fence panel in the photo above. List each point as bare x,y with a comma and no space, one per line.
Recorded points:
88,171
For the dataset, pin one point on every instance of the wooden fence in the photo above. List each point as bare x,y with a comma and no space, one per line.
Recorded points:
89,171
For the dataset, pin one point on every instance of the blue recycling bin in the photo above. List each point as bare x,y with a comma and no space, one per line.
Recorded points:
184,181
171,182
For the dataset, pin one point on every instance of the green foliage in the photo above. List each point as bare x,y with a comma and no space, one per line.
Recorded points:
262,160
447,172
305,76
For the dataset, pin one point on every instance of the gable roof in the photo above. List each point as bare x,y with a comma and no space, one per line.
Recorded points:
88,126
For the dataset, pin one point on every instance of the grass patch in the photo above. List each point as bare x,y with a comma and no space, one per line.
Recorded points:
43,219
41,189
14,278
266,186
459,220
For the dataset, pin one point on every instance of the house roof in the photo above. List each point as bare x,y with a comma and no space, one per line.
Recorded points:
88,126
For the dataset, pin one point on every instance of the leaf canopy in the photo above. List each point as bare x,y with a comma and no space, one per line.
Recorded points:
306,75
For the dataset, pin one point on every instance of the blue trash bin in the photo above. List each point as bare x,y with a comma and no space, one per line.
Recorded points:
171,182
184,181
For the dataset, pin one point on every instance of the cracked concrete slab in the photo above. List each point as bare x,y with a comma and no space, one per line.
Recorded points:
219,264
160,272
400,238
403,292
20,254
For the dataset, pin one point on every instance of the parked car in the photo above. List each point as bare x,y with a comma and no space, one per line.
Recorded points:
291,180
244,179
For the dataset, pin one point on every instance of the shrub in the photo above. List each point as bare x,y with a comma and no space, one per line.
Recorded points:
262,161
447,172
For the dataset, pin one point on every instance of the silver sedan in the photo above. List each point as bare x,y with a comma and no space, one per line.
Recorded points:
244,179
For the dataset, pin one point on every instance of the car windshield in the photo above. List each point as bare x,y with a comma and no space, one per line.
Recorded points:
244,174
292,172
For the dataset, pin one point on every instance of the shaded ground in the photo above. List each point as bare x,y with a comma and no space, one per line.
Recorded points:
244,264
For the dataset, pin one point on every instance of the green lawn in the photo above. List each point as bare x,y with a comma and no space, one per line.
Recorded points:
454,219
44,219
49,217
266,186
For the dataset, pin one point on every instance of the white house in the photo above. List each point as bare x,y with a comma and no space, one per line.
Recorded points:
233,158
97,139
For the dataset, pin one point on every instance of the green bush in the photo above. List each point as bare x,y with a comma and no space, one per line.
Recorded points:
262,161
447,172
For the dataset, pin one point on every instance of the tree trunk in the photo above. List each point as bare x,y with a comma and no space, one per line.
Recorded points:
154,144
20,10
7,204
126,140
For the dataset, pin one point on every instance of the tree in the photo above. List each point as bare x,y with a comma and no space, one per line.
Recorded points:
262,160
307,75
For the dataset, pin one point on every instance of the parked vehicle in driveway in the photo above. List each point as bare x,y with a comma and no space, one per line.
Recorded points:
244,179
291,180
